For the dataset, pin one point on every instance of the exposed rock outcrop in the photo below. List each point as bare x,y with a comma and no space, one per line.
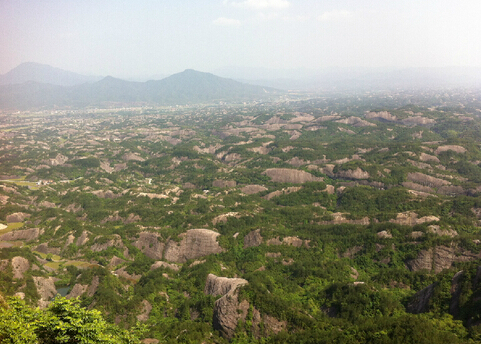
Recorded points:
382,116
253,239
253,189
440,258
420,301
46,289
23,234
20,265
358,173
454,148
227,309
150,245
17,217
161,264
287,175
410,218
145,312
115,241
224,183
426,180
284,191
194,243
77,290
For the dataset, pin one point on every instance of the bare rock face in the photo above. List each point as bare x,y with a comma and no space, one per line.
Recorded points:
17,217
290,241
284,191
452,190
420,301
440,258
226,314
253,239
356,122
339,218
46,204
410,218
253,189
382,116
195,243
82,239
116,241
287,175
77,290
358,173
418,120
426,180
150,245
43,248
224,183
161,264
132,157
428,158
46,289
223,218
23,234
417,187
454,148
384,235
435,229
105,194
145,312
20,265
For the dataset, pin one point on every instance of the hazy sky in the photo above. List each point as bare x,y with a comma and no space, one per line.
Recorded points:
130,38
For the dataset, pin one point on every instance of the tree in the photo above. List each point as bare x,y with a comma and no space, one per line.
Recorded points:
64,321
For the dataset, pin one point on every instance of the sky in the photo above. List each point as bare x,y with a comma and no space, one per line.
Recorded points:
161,37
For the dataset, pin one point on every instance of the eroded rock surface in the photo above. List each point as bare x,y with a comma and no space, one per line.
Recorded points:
253,239
23,234
20,265
150,245
227,309
287,175
195,243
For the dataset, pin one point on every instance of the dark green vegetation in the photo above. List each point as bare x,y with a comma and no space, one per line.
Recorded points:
337,220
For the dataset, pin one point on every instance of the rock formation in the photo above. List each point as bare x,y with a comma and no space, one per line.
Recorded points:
227,309
150,245
194,243
23,234
253,239
253,189
287,175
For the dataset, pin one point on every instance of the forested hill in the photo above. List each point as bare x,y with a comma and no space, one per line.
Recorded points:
188,87
350,219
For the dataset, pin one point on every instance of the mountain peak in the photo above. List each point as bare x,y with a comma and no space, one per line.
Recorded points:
42,73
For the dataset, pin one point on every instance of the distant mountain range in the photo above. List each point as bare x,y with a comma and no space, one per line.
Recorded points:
37,72
36,86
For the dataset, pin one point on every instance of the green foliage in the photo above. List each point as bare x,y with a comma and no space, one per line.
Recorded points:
64,321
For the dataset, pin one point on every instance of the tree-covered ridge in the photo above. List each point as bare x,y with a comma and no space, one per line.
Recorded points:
348,219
